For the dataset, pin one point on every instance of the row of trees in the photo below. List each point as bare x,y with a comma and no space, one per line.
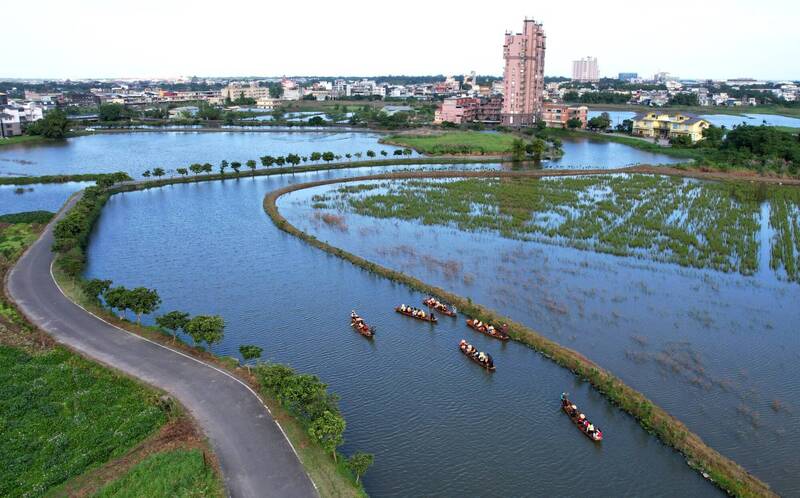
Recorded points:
203,329
308,400
302,395
269,161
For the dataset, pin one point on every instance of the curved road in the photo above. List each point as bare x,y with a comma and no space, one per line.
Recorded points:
255,456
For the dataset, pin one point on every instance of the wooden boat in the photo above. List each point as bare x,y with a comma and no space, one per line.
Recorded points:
484,329
362,328
474,357
428,317
597,436
440,307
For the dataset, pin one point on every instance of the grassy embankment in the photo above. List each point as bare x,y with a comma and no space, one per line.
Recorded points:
31,180
724,472
735,111
27,140
331,478
63,417
478,143
701,225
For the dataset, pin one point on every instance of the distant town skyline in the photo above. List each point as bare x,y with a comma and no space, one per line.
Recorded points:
87,39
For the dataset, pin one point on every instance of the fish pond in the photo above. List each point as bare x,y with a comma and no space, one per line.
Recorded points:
437,423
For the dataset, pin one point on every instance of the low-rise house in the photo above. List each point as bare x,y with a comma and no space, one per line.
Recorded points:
456,110
185,112
557,115
10,125
659,124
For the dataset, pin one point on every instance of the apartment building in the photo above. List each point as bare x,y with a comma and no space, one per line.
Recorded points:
523,76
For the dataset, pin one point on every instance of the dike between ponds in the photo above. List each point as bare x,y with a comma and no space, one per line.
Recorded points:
722,471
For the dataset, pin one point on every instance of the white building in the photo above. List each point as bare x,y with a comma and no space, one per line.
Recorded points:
585,69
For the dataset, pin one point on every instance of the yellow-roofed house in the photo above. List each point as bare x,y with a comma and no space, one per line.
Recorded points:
665,125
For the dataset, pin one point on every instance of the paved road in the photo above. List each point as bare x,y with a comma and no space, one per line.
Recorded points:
256,458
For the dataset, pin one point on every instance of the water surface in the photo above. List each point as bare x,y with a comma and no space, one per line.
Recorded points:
437,424
717,350
45,197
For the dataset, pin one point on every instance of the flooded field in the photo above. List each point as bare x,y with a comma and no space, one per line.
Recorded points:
685,290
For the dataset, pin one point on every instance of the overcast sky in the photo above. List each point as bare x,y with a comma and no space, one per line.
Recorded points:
170,38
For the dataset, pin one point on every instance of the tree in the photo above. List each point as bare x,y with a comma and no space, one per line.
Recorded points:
384,153
327,156
280,160
173,321
293,159
117,298
250,352
222,166
681,141
574,123
397,152
182,171
267,161
93,288
206,328
53,125
142,300
359,463
251,163
236,166
207,168
518,149
207,112
316,156
536,148
348,156
158,172
358,155
370,153
626,126
316,121
111,112
684,99
407,152
196,168
146,173
327,430
601,122
713,136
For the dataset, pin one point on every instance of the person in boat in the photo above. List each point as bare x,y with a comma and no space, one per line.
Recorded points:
590,429
353,314
504,329
490,329
489,361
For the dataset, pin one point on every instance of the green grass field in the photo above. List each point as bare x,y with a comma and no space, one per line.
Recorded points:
61,415
177,474
456,142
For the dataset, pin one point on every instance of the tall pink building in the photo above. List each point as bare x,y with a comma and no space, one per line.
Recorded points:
523,78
